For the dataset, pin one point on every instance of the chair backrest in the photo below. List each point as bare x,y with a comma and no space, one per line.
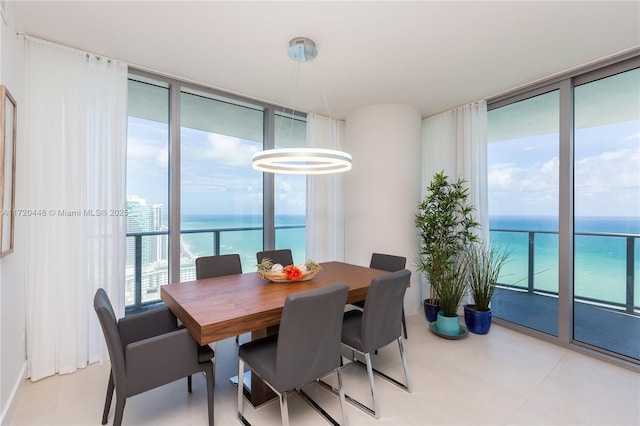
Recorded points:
282,256
387,262
309,335
382,314
109,324
218,266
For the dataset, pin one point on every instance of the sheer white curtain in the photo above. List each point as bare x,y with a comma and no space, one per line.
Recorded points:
76,113
456,141
325,204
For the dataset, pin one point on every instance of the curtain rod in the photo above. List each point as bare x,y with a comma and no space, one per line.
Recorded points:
65,47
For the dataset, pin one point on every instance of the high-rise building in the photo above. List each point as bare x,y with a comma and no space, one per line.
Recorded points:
145,218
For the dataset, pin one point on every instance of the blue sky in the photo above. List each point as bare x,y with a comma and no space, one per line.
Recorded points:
523,173
216,175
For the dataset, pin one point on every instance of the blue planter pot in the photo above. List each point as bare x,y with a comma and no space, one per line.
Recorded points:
431,309
448,325
477,322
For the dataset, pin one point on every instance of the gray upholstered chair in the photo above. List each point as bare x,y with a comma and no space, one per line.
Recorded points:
282,256
376,326
391,263
148,350
306,348
218,266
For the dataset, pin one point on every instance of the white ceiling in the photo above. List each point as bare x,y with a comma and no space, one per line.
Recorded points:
432,55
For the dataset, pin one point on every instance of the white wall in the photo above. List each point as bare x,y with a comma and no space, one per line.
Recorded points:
382,190
12,291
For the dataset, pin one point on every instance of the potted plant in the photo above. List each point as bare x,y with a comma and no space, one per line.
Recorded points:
445,222
451,289
484,265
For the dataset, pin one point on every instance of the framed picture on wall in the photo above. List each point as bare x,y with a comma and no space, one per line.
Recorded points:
8,129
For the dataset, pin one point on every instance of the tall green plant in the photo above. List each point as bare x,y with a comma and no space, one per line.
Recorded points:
445,221
483,272
453,286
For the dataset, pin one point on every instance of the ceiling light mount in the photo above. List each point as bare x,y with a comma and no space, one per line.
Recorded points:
302,49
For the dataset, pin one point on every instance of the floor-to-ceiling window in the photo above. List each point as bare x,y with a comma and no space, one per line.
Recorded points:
220,193
607,213
147,253
564,195
523,208
191,190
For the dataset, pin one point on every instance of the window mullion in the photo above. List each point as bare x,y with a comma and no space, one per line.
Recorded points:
174,184
268,202
565,214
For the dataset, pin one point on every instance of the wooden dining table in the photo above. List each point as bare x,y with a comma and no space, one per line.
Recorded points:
213,309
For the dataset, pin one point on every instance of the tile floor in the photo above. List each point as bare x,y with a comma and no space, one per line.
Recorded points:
503,378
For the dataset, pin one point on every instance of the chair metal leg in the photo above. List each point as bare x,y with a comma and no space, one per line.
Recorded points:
343,403
189,383
375,411
404,364
108,399
240,390
284,409
404,325
376,408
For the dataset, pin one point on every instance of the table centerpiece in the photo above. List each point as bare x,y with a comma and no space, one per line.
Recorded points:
278,273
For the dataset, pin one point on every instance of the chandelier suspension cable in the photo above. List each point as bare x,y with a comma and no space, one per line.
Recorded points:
303,160
332,126
324,96
295,76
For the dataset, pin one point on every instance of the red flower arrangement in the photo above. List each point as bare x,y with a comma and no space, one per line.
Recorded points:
278,273
293,273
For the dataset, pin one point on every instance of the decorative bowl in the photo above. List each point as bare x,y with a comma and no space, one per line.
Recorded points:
281,277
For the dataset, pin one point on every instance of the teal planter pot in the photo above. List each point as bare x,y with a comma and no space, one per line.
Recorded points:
448,325
477,322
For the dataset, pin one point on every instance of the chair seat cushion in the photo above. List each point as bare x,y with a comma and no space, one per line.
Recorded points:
261,356
351,329
205,353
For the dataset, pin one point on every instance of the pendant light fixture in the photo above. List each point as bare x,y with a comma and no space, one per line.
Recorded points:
302,160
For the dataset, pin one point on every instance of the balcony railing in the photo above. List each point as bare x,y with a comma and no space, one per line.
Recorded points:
138,303
628,306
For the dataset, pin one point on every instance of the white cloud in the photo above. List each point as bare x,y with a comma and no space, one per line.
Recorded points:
228,151
147,156
609,172
500,176
284,187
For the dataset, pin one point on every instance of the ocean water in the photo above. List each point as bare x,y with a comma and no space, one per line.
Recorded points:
600,250
600,260
235,239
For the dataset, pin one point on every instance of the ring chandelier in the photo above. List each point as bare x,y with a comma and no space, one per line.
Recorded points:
309,161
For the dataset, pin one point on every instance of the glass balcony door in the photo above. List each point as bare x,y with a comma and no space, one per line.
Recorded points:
606,299
523,209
